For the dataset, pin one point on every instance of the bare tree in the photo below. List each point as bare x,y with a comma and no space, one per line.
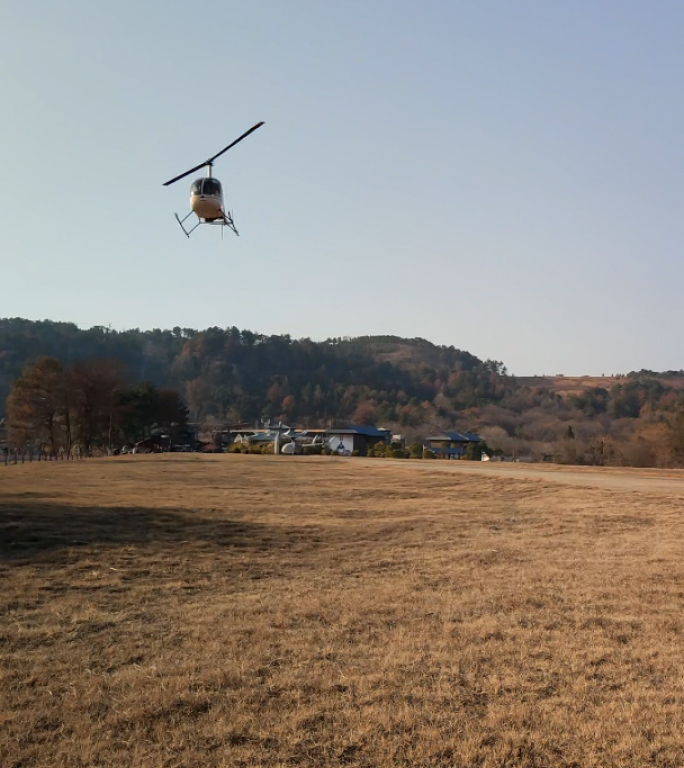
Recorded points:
94,389
38,408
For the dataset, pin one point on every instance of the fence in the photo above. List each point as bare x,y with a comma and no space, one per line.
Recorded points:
18,456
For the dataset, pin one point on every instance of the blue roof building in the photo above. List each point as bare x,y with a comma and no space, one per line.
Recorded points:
450,445
345,440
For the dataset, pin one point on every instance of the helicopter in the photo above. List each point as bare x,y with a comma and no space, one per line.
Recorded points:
206,194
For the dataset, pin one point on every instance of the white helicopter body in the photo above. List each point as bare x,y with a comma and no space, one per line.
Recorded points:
206,194
206,199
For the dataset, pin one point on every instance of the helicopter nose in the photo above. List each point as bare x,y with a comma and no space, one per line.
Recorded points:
205,206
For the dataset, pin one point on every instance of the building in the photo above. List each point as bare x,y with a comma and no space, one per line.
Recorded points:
450,445
346,440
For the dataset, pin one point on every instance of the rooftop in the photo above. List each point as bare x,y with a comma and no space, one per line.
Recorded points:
454,437
357,430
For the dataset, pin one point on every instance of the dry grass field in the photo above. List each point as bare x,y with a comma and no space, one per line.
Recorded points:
268,611
575,385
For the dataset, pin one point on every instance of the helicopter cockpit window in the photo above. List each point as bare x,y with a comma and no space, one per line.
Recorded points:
196,187
211,187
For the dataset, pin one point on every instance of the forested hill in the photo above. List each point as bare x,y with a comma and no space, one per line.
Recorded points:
229,375
225,375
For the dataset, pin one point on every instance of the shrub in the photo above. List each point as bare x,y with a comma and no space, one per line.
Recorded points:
415,451
473,452
427,454
260,449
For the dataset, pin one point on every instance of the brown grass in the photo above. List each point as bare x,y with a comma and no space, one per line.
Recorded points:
263,611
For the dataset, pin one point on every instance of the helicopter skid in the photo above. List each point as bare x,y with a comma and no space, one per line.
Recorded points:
225,220
180,221
228,222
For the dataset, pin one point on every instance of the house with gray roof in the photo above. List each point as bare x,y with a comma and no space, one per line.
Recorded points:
450,445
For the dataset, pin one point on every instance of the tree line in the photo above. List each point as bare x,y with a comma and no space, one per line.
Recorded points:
231,375
227,376
86,406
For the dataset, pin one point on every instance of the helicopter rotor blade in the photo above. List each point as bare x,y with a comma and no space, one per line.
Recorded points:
244,136
210,161
183,175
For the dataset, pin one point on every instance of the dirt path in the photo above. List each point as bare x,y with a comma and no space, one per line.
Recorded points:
668,481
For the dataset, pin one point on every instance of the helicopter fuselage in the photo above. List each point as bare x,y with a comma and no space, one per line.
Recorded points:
206,199
206,195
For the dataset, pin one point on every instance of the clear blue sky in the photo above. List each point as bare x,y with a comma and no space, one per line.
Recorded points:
502,176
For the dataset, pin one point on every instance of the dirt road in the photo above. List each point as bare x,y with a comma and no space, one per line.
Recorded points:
670,481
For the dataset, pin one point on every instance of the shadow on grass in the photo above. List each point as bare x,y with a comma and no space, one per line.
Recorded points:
29,529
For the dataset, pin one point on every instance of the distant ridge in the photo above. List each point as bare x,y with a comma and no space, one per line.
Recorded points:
411,386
